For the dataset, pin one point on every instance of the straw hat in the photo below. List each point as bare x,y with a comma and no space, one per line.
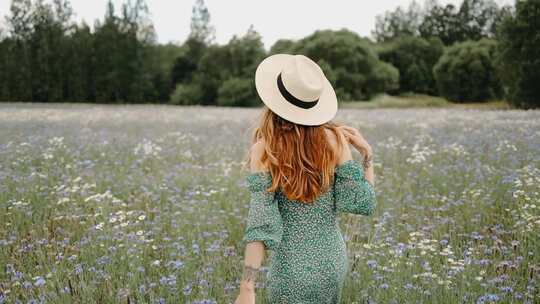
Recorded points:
295,88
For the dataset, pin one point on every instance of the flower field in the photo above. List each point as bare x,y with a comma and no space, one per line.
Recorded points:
147,204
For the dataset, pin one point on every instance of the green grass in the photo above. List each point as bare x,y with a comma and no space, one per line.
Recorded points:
138,204
419,101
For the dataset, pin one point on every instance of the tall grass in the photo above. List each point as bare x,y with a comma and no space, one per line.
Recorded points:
147,204
420,101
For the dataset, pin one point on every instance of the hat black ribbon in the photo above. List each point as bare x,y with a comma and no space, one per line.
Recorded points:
290,98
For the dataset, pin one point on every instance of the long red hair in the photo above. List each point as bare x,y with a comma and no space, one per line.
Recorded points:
301,159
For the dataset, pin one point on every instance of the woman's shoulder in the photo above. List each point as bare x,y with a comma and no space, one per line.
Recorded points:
256,152
335,142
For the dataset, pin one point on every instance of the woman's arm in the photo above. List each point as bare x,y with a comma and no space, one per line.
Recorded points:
253,258
353,187
368,171
255,251
359,143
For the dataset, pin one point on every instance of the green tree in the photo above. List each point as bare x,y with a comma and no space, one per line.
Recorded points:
220,73
15,55
80,65
45,56
400,22
245,53
122,45
44,46
237,59
202,36
108,54
282,46
470,20
237,92
519,53
442,22
201,28
187,61
164,57
187,94
466,72
5,48
415,58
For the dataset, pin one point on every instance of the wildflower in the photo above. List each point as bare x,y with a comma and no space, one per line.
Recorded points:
371,263
39,281
187,289
176,265
142,289
507,289
78,269
487,298
408,286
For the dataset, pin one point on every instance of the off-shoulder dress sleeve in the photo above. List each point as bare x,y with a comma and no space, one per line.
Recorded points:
352,192
264,222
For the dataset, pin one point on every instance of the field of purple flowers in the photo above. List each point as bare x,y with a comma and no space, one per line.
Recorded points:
147,204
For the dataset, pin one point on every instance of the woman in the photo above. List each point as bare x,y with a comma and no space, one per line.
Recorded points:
302,175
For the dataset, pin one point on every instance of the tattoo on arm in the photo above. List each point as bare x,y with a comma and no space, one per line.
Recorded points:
251,274
367,162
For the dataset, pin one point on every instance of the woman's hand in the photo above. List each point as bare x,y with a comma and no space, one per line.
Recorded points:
246,296
360,143
357,140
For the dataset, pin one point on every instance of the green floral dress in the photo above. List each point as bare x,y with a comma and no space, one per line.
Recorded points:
309,260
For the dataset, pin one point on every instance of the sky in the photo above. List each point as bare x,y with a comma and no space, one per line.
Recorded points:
272,19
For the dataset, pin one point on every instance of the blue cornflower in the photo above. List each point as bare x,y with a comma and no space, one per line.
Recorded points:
371,263
507,289
78,269
187,289
175,265
39,281
408,286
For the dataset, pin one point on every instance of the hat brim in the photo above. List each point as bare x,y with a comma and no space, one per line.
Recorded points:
266,85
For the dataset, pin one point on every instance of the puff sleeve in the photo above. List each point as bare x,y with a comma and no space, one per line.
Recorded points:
264,222
352,192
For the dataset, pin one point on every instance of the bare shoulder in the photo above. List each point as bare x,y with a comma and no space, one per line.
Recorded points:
255,154
333,140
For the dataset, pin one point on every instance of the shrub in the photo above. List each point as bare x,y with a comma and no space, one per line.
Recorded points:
237,92
414,58
466,72
186,94
519,53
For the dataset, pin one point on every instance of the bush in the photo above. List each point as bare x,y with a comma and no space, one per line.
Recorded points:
414,58
519,53
187,94
237,92
466,72
384,78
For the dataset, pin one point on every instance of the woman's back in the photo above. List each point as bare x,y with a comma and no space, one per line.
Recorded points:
310,257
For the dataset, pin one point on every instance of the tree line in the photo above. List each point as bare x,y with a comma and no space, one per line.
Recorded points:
475,51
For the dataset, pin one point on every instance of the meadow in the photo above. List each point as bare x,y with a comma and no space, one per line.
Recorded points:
147,204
